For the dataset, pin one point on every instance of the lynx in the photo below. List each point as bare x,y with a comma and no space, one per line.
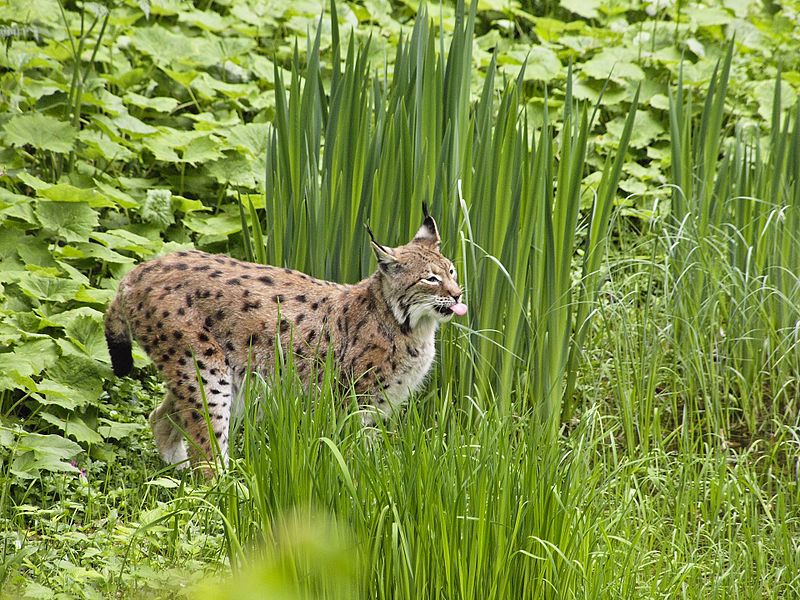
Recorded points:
196,312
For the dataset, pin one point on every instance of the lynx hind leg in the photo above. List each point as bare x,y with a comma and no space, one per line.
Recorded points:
167,433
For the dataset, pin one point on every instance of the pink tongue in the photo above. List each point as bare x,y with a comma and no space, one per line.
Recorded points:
459,308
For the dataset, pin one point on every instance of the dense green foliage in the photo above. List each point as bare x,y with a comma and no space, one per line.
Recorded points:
618,418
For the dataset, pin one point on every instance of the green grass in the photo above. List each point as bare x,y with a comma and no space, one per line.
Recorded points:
618,418
676,477
455,502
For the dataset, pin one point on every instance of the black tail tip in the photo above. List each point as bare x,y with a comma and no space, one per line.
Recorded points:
121,356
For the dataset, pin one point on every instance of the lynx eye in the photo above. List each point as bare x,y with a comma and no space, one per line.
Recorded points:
432,279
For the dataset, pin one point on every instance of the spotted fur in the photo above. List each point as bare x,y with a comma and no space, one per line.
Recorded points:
197,314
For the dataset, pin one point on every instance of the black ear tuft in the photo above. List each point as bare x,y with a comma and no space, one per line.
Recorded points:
428,232
371,235
425,212
387,262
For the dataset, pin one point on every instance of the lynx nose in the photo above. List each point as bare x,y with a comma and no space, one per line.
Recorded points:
457,307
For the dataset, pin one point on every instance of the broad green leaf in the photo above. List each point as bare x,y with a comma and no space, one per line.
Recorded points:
102,146
63,395
187,205
740,8
54,289
80,373
221,225
66,318
264,70
210,21
133,125
117,431
33,10
27,322
63,192
37,591
67,252
764,92
48,444
10,335
236,170
46,271
659,101
92,295
748,35
255,12
163,148
201,150
7,197
541,63
72,272
207,122
158,103
165,482
551,30
87,333
167,48
256,200
101,253
40,131
633,186
7,437
35,252
111,104
184,78
612,95
250,137
12,380
120,197
647,129
119,239
139,184
615,63
71,221
174,145
207,85
711,16
23,211
30,358
36,452
9,242
74,427
27,465
584,8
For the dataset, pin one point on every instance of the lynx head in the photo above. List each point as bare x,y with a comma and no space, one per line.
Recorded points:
418,282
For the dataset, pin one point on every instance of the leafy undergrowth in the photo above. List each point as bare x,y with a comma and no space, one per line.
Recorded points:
131,130
136,128
449,502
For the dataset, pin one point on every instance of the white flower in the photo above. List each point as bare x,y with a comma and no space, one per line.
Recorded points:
696,47
234,72
641,38
652,7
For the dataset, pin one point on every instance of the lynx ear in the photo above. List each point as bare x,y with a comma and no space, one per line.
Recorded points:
387,262
427,233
